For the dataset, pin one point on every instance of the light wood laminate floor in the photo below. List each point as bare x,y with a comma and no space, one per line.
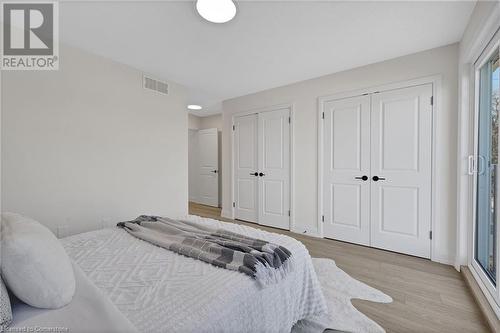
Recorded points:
428,297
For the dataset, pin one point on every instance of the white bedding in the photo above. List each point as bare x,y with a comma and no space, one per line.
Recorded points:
89,311
161,291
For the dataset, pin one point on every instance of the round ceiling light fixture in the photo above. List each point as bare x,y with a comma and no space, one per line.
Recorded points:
216,11
194,107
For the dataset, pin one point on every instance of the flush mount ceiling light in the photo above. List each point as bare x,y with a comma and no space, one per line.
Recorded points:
216,11
194,107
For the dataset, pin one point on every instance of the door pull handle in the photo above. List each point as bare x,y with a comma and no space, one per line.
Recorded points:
262,174
363,178
470,165
377,178
214,171
254,174
481,164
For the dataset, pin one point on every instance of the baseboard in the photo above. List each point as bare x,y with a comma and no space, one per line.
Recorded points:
226,214
304,231
482,302
443,260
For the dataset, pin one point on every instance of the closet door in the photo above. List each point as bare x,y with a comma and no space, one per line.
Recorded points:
246,168
346,188
274,168
401,134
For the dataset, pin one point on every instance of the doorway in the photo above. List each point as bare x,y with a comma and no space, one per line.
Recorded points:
204,171
377,169
262,167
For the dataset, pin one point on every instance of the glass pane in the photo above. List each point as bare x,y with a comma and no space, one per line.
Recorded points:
489,106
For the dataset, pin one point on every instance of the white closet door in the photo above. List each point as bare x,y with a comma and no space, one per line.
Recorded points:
246,168
208,154
346,188
274,168
401,159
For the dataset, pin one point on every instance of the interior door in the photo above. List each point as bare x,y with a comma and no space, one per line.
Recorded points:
401,134
208,177
274,168
246,168
346,188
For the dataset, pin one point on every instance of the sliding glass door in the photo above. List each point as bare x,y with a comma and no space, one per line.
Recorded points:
487,182
487,165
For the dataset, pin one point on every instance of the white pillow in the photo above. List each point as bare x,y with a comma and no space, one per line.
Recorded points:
35,266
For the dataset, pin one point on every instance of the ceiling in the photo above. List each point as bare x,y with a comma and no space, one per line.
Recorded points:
268,44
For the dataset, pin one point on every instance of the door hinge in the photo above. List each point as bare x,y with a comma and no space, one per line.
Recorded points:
234,127
288,213
432,100
430,234
234,204
323,116
322,218
289,120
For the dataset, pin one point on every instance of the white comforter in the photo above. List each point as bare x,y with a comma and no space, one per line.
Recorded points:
89,311
161,291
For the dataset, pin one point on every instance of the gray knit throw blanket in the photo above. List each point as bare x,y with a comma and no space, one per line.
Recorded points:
266,262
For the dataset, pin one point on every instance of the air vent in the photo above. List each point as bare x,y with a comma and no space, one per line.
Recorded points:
156,85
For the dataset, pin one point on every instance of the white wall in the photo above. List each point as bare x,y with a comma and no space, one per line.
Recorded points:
214,121
87,144
484,22
304,96
193,122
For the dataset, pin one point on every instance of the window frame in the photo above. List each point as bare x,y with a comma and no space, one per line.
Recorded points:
491,291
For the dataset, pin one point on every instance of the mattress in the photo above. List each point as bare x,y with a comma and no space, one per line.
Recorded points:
161,291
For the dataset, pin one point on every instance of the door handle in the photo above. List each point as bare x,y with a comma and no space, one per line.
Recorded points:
363,178
214,171
470,165
254,174
262,174
377,178
481,164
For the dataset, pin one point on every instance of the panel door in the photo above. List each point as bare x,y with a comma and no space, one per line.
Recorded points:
346,187
274,168
246,168
208,177
401,135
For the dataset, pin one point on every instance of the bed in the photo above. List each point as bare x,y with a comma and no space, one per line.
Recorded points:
157,290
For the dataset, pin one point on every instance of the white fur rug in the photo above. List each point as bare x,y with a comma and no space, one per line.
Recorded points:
339,288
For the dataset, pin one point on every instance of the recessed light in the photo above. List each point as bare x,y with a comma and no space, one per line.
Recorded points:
216,11
194,107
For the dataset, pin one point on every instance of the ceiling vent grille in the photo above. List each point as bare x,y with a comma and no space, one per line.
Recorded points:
156,85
